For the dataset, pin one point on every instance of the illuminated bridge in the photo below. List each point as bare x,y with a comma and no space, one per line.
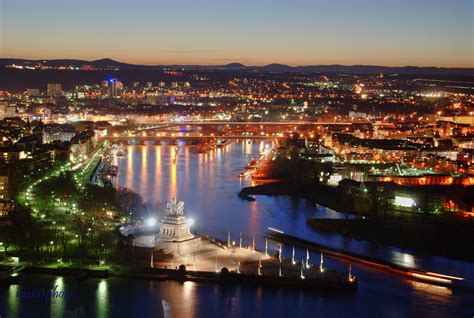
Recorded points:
243,123
173,138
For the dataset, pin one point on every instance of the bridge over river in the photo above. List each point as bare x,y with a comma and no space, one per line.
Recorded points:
164,124
173,138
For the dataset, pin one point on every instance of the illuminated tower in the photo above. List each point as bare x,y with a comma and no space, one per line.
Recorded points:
115,88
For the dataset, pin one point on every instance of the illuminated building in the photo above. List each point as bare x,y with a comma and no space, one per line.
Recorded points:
423,180
54,90
33,92
5,199
7,110
155,99
88,67
405,202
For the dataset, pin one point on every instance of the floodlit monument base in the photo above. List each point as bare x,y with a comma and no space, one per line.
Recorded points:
179,248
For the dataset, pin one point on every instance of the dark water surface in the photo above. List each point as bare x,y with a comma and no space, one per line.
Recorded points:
208,184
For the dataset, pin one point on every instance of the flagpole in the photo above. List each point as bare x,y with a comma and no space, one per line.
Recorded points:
307,258
279,270
302,266
321,268
259,266
293,256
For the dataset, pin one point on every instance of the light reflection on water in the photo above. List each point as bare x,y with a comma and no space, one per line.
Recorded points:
189,292
102,298
13,301
58,303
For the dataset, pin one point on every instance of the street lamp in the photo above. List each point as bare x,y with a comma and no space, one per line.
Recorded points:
151,222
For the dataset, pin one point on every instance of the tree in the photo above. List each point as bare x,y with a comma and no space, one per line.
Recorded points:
96,198
380,198
62,186
128,202
84,230
104,243
24,227
6,233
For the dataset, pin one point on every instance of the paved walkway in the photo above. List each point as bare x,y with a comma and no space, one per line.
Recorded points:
212,257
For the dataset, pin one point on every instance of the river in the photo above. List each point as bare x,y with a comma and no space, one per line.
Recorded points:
208,184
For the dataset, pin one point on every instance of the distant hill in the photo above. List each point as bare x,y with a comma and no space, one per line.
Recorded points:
276,68
101,63
280,68
234,66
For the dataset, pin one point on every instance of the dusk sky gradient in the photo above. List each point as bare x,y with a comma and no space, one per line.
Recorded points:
253,32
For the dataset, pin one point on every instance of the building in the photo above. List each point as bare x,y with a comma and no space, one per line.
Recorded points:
5,196
159,99
88,67
7,110
4,193
354,115
425,180
56,132
33,92
82,144
54,90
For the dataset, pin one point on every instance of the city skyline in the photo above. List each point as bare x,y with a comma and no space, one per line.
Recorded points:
418,33
224,158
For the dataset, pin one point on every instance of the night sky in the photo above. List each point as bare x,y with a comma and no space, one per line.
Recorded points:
253,32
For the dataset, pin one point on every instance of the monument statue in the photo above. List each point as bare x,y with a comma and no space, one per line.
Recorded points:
180,208
175,208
